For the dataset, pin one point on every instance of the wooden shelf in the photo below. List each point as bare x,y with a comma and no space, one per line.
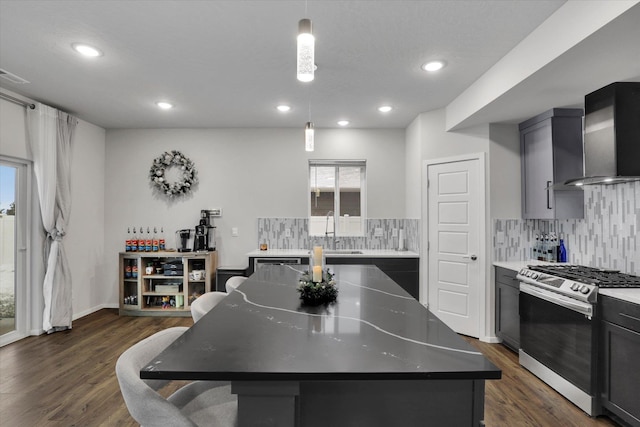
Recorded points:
142,286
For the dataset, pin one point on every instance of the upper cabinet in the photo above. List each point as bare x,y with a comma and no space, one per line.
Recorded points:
551,152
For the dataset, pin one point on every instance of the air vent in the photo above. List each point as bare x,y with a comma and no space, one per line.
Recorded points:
11,77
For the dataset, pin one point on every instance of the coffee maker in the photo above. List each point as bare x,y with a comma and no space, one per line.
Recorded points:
183,240
200,240
206,220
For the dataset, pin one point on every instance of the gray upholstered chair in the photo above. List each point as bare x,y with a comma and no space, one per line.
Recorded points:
198,403
205,302
233,282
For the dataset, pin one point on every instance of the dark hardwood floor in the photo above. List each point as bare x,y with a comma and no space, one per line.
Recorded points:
68,379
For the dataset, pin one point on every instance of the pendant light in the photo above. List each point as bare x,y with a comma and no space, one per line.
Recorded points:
308,137
306,48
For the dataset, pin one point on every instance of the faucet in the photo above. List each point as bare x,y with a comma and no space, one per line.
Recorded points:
327,232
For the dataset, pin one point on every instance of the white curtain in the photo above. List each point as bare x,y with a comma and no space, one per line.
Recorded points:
50,136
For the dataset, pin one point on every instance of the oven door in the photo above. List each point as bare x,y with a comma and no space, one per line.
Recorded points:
560,335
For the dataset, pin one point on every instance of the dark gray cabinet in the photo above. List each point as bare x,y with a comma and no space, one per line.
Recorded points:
620,347
404,271
551,153
225,273
507,308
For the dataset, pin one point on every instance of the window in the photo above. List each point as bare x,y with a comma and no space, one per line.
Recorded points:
337,197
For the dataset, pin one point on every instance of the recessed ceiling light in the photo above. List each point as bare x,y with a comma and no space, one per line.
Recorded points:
433,66
283,108
164,105
343,122
385,108
86,50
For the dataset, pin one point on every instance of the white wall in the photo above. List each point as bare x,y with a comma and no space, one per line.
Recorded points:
427,139
505,187
84,240
249,173
413,169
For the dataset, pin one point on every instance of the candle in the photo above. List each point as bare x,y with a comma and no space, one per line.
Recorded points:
317,256
317,273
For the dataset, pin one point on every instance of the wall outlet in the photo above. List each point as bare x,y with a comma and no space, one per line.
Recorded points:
377,232
287,232
234,231
500,237
394,232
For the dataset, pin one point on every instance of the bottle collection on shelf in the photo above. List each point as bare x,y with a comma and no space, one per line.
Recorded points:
549,248
152,243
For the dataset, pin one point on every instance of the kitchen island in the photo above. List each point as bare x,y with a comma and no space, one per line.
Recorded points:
376,357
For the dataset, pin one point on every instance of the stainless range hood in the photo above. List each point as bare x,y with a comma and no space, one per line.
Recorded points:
611,135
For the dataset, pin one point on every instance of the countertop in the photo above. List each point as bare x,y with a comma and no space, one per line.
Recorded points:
344,253
375,330
631,294
519,265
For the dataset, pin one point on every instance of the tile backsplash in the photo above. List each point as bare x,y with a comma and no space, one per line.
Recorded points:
273,232
607,237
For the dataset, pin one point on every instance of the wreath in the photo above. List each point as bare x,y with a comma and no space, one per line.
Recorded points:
187,170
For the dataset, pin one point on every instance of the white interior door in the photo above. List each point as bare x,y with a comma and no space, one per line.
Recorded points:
455,217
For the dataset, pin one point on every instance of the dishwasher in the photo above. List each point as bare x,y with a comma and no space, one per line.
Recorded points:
258,262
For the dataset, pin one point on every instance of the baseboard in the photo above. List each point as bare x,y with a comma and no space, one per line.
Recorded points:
491,339
83,313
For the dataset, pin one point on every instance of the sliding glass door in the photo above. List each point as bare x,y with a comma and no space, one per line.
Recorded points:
13,253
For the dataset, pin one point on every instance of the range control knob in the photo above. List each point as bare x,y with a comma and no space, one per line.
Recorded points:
584,289
534,275
575,287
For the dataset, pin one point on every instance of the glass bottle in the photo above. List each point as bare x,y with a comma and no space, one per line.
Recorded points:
127,244
134,241
155,244
161,242
562,256
148,242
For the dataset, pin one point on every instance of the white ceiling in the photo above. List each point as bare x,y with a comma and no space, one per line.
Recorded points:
229,63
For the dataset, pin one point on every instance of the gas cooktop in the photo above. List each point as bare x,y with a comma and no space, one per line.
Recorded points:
602,278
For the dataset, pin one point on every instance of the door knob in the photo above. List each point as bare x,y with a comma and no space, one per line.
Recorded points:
473,257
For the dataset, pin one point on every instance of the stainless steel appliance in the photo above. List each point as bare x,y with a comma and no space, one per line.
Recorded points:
207,216
200,243
278,261
558,327
611,132
184,240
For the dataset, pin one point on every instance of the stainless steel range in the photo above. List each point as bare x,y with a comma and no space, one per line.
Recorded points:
558,327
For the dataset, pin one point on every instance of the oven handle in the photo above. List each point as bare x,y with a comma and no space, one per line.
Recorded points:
552,297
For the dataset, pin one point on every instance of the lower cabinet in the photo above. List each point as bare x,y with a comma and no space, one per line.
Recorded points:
507,308
164,283
225,273
620,347
404,271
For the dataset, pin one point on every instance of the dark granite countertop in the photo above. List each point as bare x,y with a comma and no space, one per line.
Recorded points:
374,331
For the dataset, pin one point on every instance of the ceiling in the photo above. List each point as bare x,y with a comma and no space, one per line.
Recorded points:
229,63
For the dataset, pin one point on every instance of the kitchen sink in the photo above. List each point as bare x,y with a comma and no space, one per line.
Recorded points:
342,252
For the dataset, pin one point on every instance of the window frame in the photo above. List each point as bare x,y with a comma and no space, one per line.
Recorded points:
22,254
337,164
